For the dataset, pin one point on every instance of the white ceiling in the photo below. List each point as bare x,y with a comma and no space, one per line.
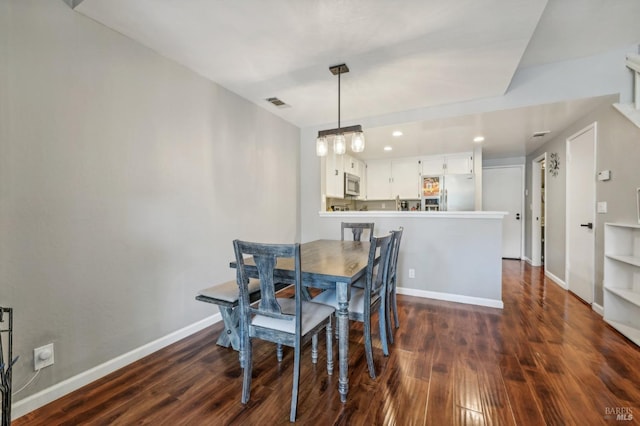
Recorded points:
402,56
507,133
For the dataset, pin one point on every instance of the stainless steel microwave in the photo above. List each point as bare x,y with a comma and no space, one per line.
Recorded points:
351,185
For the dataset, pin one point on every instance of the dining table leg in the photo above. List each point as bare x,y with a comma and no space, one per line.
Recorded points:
342,294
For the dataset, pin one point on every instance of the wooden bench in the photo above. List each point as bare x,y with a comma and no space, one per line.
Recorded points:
226,295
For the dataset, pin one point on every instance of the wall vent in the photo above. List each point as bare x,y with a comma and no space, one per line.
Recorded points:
541,134
277,102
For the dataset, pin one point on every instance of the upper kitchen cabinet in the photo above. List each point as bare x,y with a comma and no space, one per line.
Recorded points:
459,164
378,180
335,168
450,164
387,179
405,174
334,175
432,165
354,166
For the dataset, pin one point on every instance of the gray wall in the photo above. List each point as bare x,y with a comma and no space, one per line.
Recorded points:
450,256
124,178
618,150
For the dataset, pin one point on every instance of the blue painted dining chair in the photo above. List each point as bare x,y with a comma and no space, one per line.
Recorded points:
284,321
392,304
365,301
356,229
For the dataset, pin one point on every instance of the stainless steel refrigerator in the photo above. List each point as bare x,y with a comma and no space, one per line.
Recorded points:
448,193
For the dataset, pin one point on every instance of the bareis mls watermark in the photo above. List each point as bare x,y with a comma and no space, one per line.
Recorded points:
618,413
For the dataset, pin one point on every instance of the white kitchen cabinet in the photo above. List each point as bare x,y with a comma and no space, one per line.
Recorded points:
448,164
387,179
335,168
432,165
334,176
363,181
458,164
378,180
354,166
622,279
405,178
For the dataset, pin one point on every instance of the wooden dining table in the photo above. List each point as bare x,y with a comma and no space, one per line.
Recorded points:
328,264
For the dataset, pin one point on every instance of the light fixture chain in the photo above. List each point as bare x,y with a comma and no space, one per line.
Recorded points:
339,98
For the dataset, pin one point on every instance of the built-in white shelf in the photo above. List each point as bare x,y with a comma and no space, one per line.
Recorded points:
629,111
632,110
622,278
632,333
631,260
630,295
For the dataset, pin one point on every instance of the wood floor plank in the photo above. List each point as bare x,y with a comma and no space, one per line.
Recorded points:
493,394
545,359
467,385
440,405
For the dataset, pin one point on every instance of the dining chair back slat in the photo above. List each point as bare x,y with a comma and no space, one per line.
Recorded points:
356,229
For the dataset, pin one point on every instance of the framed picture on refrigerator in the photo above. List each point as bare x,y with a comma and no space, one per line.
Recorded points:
431,186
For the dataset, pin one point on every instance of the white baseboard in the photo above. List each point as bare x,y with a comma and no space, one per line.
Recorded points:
45,396
598,309
448,297
530,262
556,280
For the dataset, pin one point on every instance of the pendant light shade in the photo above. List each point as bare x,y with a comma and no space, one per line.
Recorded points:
321,146
339,144
357,142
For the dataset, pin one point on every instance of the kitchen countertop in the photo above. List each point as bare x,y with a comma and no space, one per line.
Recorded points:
418,214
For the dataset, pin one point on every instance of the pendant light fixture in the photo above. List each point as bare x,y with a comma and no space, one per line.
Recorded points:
339,141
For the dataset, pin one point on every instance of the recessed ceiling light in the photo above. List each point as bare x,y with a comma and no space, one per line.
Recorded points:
397,133
388,148
478,139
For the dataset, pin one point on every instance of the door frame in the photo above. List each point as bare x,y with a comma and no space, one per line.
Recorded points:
522,201
567,254
536,211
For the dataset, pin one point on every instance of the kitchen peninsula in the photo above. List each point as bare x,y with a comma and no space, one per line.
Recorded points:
453,256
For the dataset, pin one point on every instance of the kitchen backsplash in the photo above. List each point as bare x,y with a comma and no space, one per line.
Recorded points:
339,204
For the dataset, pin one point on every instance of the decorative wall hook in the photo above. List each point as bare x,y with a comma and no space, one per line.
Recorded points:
554,164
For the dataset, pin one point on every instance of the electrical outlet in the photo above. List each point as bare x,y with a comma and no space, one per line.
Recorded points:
43,356
412,273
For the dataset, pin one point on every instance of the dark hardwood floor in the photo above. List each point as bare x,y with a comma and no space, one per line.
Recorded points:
547,358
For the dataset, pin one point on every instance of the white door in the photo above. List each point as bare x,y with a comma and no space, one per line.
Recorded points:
581,212
502,190
537,209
